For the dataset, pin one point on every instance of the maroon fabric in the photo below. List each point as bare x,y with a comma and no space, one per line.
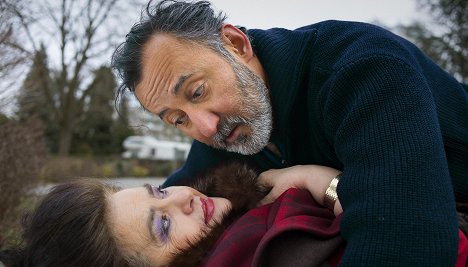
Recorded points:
244,242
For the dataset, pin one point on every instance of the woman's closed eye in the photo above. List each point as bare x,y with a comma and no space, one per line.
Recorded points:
162,223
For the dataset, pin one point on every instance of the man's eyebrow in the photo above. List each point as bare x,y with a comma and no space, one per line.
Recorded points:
175,91
150,220
179,83
162,113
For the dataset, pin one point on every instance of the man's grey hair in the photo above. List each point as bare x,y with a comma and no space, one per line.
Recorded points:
195,22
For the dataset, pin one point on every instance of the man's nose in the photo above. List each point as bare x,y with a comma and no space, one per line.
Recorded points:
205,122
183,199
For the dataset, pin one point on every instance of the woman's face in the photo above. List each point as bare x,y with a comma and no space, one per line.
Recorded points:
157,222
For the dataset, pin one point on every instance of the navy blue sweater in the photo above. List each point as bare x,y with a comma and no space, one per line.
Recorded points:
358,98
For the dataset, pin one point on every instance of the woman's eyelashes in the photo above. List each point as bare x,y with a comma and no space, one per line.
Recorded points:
162,223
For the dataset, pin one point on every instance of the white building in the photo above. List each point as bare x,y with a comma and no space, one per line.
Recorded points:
148,147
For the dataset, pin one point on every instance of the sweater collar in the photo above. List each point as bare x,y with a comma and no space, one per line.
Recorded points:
284,55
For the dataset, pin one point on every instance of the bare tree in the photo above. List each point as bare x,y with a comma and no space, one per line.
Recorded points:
446,42
13,54
80,36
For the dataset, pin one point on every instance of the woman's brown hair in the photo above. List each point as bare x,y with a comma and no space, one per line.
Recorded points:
69,227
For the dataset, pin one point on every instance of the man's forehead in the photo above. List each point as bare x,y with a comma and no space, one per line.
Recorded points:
161,42
159,62
165,61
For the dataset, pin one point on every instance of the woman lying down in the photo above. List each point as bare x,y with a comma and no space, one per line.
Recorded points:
216,222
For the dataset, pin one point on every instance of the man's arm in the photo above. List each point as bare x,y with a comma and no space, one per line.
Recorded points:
396,193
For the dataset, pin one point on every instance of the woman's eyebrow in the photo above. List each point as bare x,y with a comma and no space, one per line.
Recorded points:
150,223
150,219
150,189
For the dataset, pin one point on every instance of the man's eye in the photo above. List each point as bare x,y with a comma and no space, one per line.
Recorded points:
199,92
180,120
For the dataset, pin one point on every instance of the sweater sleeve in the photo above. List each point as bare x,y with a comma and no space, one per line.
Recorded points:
399,208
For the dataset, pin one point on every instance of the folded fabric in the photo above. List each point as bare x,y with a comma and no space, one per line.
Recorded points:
294,230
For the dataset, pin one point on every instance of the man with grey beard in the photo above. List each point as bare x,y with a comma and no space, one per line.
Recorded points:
347,95
256,105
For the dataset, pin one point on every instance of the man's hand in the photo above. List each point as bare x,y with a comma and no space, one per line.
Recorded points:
311,177
280,180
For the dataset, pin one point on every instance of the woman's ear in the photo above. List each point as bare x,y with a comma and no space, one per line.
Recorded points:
237,42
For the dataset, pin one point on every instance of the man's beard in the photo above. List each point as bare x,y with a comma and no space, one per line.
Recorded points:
255,104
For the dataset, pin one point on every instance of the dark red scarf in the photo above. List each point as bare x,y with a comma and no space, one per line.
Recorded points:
248,241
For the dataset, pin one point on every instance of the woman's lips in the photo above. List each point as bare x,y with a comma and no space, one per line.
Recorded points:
208,209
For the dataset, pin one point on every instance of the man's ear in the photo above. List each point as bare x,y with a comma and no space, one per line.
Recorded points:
237,42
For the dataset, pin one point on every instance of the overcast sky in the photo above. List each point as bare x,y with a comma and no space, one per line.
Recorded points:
291,14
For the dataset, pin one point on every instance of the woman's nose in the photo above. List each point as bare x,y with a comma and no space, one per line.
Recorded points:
183,199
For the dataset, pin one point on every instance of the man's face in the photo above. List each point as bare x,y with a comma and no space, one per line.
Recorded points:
215,100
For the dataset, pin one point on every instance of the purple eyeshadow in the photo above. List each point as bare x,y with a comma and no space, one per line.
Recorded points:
161,226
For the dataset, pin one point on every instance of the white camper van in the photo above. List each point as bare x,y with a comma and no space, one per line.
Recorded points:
148,147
